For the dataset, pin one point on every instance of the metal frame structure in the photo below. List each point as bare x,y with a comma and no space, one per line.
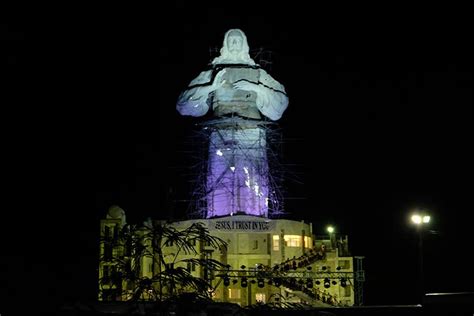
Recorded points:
271,171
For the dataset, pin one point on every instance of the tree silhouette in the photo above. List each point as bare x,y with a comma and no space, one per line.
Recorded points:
125,252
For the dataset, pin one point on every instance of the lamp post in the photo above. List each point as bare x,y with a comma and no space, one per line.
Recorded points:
330,230
420,219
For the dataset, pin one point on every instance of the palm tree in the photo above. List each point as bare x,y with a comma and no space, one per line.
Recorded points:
169,275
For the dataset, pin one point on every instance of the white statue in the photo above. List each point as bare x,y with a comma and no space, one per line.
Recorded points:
235,85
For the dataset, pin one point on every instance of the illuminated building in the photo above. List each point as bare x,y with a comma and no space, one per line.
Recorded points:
267,259
274,250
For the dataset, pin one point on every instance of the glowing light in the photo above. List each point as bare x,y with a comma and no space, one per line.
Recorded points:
330,229
292,240
238,180
420,218
416,219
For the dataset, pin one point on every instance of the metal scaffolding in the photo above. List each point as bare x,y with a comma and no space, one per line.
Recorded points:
236,169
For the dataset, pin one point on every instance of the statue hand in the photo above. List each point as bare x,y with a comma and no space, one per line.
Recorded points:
245,85
218,82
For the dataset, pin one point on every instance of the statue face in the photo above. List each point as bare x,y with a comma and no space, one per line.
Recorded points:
234,42
235,49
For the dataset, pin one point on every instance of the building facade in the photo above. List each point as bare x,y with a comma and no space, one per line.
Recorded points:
265,260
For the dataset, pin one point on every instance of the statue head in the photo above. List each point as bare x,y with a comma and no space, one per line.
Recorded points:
235,42
235,49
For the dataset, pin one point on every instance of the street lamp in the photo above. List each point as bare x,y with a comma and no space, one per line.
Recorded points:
420,219
330,229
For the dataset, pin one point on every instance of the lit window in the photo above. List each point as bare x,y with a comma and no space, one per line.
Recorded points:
260,297
293,240
234,293
308,242
276,243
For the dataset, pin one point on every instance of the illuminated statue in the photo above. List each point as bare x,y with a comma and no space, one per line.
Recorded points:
239,92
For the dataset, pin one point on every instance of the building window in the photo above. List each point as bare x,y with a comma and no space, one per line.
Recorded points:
128,248
234,293
308,242
106,274
191,266
255,244
347,291
293,240
108,251
276,243
260,297
113,271
344,264
107,232
115,231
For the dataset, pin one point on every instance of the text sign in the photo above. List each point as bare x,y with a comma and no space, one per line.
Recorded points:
229,225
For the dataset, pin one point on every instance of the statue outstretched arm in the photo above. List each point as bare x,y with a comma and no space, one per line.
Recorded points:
194,100
271,100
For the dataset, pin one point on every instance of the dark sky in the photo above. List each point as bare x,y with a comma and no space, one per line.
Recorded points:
379,122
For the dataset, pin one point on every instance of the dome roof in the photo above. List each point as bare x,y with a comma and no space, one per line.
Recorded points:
116,212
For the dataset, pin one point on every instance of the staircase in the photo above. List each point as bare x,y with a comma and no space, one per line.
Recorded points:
310,300
313,298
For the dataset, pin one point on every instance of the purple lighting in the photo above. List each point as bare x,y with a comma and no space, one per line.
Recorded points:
237,179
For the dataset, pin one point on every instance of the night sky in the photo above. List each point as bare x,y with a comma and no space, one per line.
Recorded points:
379,122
